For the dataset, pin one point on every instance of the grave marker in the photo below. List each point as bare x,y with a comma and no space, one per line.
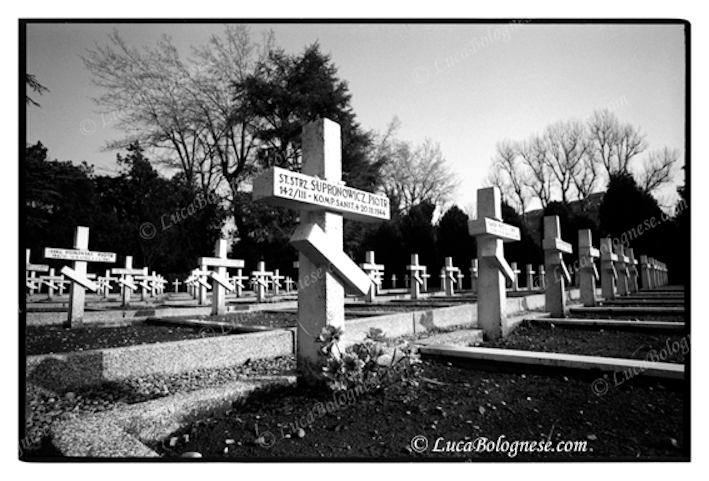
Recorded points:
289,284
49,282
126,280
260,279
406,281
554,246
238,281
393,281
276,279
515,281
587,268
77,273
425,277
530,277
375,272
417,280
633,271
220,281
622,269
490,233
176,285
460,276
325,270
542,278
31,280
608,273
449,279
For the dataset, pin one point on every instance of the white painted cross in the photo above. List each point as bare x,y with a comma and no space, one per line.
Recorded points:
49,281
202,276
417,280
220,279
144,283
276,279
375,272
530,277
587,268
289,284
325,270
633,269
80,255
623,273
176,285
393,281
460,276
608,273
543,283
105,283
126,280
450,276
554,247
260,279
425,276
406,281
515,281
238,281
490,233
31,270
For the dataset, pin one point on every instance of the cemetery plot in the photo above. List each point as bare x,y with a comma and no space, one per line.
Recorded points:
592,341
44,408
457,401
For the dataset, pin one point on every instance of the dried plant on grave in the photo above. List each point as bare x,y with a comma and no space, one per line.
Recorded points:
368,366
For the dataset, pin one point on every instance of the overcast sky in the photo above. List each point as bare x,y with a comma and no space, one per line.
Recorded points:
464,86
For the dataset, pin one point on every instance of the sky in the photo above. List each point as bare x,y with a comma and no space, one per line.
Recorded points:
466,86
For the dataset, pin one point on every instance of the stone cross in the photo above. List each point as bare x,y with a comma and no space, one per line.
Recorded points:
79,256
406,281
202,276
276,278
460,276
608,273
260,278
554,247
49,281
324,269
62,284
474,275
289,284
633,271
543,283
31,280
490,233
220,279
176,285
375,272
144,283
105,283
425,277
238,281
415,270
530,277
449,273
587,268
442,277
393,281
126,280
515,281
622,269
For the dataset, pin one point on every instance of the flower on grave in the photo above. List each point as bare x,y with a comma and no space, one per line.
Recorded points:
330,334
352,363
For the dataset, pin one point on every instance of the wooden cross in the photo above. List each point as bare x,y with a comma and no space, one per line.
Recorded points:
79,256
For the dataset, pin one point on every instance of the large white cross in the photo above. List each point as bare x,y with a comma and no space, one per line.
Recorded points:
220,281
80,255
490,232
417,280
325,270
554,247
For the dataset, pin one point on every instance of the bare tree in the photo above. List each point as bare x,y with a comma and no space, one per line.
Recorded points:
508,170
185,111
414,174
533,153
566,147
658,169
31,82
614,144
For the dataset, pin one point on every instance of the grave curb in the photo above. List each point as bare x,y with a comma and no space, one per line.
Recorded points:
609,323
62,371
124,432
659,370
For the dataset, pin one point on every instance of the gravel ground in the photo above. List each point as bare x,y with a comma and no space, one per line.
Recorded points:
43,407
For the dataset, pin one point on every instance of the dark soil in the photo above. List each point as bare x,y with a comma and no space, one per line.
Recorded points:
636,317
52,339
596,342
457,402
43,408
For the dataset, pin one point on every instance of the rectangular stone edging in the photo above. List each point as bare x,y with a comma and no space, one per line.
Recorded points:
568,321
574,361
629,310
125,431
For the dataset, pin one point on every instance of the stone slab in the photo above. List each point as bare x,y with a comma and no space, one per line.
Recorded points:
611,323
572,361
